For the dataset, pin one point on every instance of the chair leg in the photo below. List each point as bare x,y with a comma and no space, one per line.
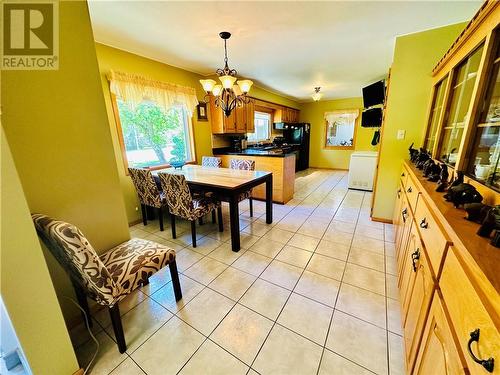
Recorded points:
175,280
116,320
160,218
193,232
250,200
84,304
172,224
219,219
144,214
213,216
200,220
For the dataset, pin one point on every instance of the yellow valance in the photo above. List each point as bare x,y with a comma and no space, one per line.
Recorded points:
135,89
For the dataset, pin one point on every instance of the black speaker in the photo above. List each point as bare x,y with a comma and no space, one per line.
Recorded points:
371,118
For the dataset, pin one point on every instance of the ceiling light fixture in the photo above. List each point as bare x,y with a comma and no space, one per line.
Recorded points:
231,93
317,95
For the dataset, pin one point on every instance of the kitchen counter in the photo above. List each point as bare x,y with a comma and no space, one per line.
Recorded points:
277,152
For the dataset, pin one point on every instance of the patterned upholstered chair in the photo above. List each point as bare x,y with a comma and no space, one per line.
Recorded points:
148,193
109,278
248,165
211,161
182,203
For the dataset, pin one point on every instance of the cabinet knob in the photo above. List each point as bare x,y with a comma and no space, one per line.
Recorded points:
424,224
409,190
414,257
489,363
404,213
402,174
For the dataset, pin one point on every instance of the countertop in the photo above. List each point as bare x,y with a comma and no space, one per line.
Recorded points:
255,152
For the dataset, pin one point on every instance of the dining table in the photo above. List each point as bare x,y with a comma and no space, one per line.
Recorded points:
227,185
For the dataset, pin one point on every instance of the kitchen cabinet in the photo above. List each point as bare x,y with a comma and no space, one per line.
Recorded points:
286,114
239,121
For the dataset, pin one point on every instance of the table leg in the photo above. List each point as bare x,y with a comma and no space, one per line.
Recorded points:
269,199
234,218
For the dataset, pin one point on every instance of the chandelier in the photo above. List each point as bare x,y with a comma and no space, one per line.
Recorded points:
230,93
317,95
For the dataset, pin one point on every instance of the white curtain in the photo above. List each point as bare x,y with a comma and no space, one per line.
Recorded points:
345,117
135,89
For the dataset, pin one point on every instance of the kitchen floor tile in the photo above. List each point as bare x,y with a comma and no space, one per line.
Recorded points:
326,266
267,247
294,256
252,263
333,250
319,288
363,304
205,270
365,278
232,283
304,242
332,363
165,296
282,274
265,298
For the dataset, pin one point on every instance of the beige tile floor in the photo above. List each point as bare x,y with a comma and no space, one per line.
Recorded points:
312,293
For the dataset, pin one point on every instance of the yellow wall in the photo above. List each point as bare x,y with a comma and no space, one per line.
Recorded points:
58,131
110,58
26,287
320,157
409,94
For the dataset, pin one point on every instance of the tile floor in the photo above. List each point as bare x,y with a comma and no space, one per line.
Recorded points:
312,293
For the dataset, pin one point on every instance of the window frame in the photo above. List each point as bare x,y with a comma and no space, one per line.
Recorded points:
354,133
270,112
121,141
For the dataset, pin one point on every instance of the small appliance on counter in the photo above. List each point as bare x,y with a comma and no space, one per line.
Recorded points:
236,144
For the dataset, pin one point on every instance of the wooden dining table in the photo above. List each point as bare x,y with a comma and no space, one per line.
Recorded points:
227,184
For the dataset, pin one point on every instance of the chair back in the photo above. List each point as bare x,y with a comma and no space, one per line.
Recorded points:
243,164
177,194
146,188
78,258
211,161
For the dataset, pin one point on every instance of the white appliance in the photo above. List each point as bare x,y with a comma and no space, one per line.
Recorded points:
362,170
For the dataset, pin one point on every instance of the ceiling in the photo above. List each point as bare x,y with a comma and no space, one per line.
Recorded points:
285,47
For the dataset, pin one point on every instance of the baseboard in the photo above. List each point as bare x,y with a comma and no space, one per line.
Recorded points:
381,220
79,372
330,169
135,222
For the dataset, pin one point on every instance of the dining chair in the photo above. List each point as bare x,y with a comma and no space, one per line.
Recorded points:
110,277
211,161
248,165
182,203
148,192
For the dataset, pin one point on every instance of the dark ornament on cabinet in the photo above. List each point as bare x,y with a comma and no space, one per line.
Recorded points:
413,153
491,222
422,157
476,212
458,180
462,194
426,167
443,178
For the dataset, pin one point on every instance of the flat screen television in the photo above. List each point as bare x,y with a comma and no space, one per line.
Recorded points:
374,94
371,118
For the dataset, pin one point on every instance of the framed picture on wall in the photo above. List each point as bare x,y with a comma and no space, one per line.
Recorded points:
202,111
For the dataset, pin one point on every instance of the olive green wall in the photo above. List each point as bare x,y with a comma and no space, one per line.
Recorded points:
110,58
58,131
25,283
320,157
409,94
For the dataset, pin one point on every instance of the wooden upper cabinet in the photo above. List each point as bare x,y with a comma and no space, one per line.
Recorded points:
239,121
250,113
286,114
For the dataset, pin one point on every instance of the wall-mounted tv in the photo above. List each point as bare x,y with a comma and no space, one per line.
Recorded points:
374,94
371,118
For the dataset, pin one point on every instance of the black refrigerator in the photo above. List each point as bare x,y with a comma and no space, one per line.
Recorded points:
297,136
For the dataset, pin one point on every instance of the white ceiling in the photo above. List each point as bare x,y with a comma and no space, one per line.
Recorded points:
286,47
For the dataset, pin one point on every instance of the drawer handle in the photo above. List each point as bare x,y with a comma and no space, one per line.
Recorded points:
489,363
424,224
409,190
399,193
414,257
403,214
402,174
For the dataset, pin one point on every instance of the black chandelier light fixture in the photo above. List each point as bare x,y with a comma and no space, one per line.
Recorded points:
230,93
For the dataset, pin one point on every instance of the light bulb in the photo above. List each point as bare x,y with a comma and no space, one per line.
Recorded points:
245,85
208,84
217,90
227,81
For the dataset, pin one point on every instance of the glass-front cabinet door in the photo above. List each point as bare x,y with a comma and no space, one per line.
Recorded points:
435,115
484,155
459,100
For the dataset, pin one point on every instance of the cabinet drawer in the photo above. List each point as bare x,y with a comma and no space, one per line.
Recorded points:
412,193
438,352
405,266
468,314
433,236
404,176
402,229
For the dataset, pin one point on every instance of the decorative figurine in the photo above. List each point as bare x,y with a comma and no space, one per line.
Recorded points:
422,157
491,222
434,173
443,178
458,180
476,211
426,167
495,241
462,194
413,153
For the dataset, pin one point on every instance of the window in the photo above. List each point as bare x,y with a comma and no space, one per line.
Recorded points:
262,121
340,129
152,137
460,97
484,157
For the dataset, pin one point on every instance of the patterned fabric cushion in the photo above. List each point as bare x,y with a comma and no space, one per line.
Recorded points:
133,262
179,199
146,187
211,161
243,164
77,256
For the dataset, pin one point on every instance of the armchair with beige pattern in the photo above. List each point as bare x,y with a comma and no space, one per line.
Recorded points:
248,165
148,193
110,277
182,203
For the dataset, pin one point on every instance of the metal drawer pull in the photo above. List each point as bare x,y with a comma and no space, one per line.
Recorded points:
404,213
402,174
399,193
414,257
424,224
489,363
409,190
